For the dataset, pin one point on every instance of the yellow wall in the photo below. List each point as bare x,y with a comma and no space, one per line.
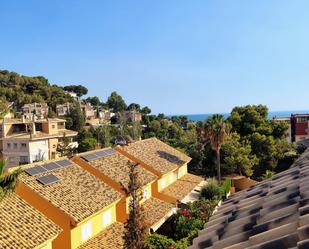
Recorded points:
47,245
97,225
171,177
148,188
52,146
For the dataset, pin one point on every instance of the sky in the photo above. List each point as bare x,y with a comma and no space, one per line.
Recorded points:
175,56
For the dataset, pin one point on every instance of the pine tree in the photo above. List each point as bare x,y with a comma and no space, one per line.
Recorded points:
135,228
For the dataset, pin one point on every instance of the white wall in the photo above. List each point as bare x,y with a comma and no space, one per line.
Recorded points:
38,150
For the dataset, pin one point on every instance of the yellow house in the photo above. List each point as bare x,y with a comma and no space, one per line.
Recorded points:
71,197
112,167
22,226
174,182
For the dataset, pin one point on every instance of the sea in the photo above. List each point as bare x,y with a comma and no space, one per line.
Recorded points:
278,114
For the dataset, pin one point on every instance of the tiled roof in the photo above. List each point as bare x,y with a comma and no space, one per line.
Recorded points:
157,154
271,214
109,238
155,210
116,168
78,193
22,226
183,186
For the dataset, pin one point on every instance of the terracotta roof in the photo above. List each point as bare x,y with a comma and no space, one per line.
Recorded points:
271,214
157,154
155,210
183,186
109,238
78,193
22,226
116,168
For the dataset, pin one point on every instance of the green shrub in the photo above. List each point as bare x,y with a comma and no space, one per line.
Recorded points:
158,241
211,191
225,187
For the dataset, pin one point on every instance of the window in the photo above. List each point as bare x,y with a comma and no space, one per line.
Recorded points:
146,194
171,178
162,183
23,145
86,230
53,126
23,159
8,145
15,145
107,218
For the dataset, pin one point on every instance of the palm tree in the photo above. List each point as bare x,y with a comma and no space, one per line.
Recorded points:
8,181
216,130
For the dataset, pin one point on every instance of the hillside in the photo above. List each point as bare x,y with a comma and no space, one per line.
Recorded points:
24,89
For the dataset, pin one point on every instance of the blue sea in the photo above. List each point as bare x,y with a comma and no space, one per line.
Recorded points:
278,114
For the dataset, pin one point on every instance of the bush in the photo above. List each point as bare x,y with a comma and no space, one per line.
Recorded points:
212,191
158,241
225,187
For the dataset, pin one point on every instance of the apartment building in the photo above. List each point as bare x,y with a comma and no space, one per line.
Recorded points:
39,109
30,140
79,203
63,109
299,127
22,226
174,183
112,165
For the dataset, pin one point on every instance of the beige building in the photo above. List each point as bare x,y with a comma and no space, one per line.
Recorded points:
88,110
39,109
26,141
64,109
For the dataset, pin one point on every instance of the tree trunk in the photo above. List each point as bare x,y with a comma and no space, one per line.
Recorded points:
218,166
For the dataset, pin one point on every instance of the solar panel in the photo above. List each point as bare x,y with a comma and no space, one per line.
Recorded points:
48,179
63,163
110,152
51,166
35,170
101,153
90,157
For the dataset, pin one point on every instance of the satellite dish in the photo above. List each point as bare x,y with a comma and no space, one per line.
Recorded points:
120,140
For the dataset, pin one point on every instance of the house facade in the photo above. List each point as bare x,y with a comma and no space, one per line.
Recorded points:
299,127
40,110
27,140
63,109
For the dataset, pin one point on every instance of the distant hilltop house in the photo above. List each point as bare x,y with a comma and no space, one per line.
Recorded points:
130,116
88,110
63,109
39,109
29,140
73,95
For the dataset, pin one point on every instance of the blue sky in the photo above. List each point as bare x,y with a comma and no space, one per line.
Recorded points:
175,56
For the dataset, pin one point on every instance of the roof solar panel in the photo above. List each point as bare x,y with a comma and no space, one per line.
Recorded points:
110,152
48,179
50,166
35,170
64,163
90,157
101,153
